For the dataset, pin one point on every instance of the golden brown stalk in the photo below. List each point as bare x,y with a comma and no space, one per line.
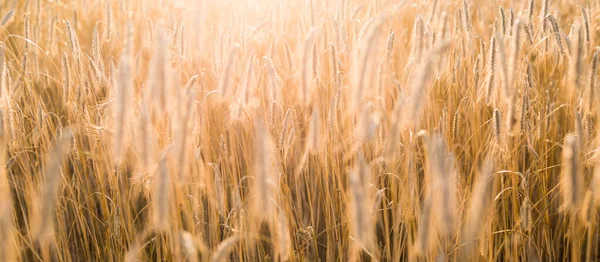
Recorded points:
595,183
26,32
307,78
284,128
477,71
579,128
314,131
315,63
263,171
7,241
588,210
366,126
99,76
159,83
530,11
244,92
479,205
425,231
514,56
528,28
511,20
575,64
586,25
273,91
378,199
491,70
503,67
3,76
390,45
433,11
381,75
66,79
188,246
227,74
181,45
588,127
8,17
333,62
43,218
122,105
224,249
161,198
442,191
363,61
219,189
524,112
247,80
24,63
544,12
557,33
360,211
73,42
456,125
108,21
592,81
418,87
571,181
525,215
288,55
145,137
529,77
96,45
289,140
511,119
444,18
496,122
503,20
417,41
284,243
185,124
332,115
466,19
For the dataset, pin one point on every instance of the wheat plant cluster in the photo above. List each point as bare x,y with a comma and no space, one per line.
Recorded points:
299,130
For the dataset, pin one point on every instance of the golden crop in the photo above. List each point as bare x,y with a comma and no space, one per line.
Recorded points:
299,130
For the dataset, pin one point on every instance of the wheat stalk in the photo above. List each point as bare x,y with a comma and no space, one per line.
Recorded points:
43,220
224,249
361,204
571,182
263,171
479,205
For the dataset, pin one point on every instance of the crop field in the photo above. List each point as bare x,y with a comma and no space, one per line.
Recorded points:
299,130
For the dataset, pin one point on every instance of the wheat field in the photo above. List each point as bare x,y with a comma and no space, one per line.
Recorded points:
299,130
